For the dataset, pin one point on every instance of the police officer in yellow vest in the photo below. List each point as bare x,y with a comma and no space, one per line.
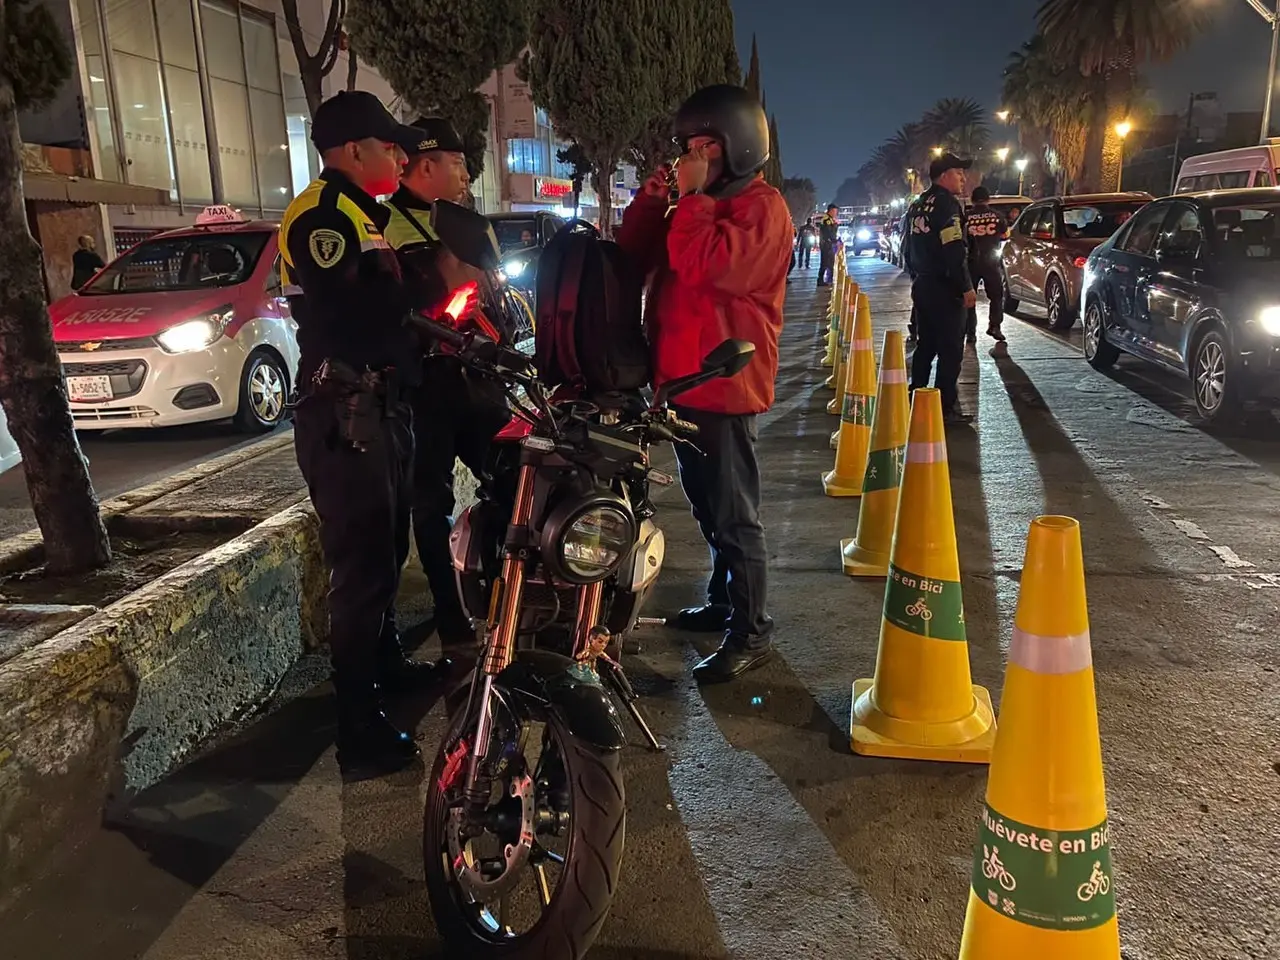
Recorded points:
353,428
455,416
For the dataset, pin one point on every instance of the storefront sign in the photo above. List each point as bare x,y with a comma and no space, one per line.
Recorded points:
546,188
516,109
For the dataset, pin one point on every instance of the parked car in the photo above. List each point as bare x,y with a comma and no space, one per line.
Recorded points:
1044,258
188,326
521,237
1257,166
891,240
1192,284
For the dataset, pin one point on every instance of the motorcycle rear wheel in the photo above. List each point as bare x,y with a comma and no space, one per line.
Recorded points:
588,876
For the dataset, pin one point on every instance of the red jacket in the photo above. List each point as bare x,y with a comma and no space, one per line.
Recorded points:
719,270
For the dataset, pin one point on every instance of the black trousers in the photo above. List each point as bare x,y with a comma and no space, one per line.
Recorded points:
362,500
806,255
940,323
722,482
826,265
454,419
988,274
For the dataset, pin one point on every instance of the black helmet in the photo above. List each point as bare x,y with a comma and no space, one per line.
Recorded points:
733,116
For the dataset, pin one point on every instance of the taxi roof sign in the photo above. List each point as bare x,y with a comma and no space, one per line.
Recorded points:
219,213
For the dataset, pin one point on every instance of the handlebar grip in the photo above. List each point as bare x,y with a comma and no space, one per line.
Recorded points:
439,331
684,427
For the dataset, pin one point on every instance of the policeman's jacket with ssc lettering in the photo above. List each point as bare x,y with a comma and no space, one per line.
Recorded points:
356,298
937,251
986,229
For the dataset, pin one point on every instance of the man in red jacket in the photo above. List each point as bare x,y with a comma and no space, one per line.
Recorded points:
718,270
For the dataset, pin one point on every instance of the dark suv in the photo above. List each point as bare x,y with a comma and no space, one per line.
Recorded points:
521,237
1192,283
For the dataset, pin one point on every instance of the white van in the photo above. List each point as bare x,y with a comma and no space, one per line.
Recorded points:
1232,169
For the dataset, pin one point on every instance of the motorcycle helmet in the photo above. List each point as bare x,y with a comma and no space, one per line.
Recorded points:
734,117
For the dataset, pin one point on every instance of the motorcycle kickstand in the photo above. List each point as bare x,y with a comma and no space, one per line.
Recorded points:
622,687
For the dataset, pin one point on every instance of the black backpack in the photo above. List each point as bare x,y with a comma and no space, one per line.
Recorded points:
590,329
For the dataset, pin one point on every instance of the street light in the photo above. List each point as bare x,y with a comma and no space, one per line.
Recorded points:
1021,164
1123,129
1002,116
937,151
1274,20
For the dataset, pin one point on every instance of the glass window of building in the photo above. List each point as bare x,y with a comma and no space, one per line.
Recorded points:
304,163
266,107
144,125
224,58
97,96
186,107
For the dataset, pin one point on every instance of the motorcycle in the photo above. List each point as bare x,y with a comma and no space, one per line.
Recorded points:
525,815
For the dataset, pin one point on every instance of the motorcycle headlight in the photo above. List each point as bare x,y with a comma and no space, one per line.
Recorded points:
864,234
586,542
195,335
1269,320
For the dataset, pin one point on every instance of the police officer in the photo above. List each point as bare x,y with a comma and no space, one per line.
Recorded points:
828,235
941,289
353,427
455,416
986,229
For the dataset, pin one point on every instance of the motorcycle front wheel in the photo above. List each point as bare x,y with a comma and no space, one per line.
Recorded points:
536,882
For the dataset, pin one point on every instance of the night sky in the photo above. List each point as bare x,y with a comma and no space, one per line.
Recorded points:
854,55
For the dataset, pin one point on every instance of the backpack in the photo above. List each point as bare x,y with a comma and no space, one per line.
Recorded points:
590,329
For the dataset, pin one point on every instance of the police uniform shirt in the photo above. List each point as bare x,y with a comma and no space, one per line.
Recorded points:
937,243
828,231
986,228
343,281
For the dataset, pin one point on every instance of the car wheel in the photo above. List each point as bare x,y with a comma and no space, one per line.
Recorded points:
1061,315
1097,350
1010,303
1213,379
264,391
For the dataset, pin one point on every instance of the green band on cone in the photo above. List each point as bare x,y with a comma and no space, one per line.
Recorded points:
884,470
858,409
924,606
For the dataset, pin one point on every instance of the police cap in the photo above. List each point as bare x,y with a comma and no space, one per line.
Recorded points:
353,115
437,134
948,161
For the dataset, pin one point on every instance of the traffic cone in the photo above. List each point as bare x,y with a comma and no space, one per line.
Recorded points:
848,292
858,401
1042,884
867,553
833,329
861,305
922,704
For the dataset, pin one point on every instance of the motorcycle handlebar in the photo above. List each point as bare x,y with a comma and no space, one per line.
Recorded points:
683,427
471,346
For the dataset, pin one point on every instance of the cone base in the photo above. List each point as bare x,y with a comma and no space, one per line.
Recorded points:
835,440
858,562
834,486
989,935
927,741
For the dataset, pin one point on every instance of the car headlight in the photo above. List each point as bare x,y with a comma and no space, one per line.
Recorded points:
194,335
864,234
1269,319
513,269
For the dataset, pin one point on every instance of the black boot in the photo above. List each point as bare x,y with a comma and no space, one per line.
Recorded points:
730,662
369,744
398,673
708,618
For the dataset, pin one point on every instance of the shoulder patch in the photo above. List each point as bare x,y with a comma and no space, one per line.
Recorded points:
951,234
326,246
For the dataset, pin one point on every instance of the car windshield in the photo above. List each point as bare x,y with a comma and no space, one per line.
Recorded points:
1098,222
1247,232
192,262
515,233
871,223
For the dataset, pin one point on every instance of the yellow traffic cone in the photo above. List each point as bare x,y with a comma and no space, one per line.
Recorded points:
922,704
867,553
842,344
833,329
1042,884
861,305
858,401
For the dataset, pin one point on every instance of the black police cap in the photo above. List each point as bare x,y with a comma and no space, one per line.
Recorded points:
358,115
948,161
437,134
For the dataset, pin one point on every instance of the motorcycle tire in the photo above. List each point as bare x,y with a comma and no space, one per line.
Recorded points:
570,924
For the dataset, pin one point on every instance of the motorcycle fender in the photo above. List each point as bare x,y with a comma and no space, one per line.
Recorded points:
544,679
464,545
646,558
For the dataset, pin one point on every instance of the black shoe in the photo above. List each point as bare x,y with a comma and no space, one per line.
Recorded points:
708,618
397,673
956,415
370,745
729,663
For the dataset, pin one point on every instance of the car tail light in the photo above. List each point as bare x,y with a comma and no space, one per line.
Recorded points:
1080,262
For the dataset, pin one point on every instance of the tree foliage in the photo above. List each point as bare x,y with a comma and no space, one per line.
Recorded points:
773,168
852,193
801,196
752,81
36,58
437,53
580,165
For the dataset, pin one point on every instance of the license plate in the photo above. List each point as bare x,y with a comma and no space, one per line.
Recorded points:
88,389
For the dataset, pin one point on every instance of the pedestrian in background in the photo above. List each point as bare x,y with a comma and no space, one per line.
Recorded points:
719,268
828,239
941,291
85,262
808,240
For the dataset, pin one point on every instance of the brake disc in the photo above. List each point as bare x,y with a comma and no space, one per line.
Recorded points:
515,855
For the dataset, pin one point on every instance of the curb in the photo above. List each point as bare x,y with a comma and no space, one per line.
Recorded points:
113,704
21,549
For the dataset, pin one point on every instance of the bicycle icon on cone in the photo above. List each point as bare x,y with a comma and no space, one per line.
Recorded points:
1096,886
920,609
993,869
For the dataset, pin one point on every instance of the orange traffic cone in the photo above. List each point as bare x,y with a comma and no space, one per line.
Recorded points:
1042,884
853,439
922,704
867,553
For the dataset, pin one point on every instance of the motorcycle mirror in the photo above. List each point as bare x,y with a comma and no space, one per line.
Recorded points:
730,358
467,234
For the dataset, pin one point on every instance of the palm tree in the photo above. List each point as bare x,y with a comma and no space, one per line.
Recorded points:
1109,39
958,125
1052,101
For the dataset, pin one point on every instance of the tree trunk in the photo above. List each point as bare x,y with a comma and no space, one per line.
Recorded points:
353,67
1119,94
1090,180
32,390
604,191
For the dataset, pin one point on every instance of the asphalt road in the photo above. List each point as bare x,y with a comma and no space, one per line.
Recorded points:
759,835
120,460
